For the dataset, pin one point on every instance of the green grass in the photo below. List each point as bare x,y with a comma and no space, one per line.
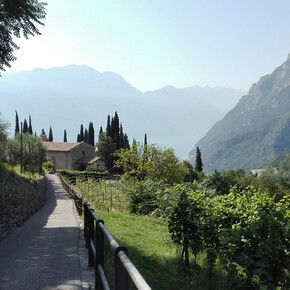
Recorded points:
4,167
154,255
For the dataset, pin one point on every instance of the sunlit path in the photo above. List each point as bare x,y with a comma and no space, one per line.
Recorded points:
43,252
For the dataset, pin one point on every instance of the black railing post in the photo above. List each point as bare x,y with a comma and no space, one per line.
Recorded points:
121,274
91,237
99,245
86,213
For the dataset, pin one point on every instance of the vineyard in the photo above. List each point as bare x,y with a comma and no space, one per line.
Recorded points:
242,235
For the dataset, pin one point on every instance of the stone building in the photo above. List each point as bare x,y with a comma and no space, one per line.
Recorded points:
72,155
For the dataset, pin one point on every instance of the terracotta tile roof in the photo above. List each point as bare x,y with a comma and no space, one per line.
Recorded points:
61,146
88,160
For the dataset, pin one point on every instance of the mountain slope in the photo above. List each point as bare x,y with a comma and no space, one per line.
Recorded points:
67,97
256,130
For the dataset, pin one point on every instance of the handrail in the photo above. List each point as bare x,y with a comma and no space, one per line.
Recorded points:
77,200
94,233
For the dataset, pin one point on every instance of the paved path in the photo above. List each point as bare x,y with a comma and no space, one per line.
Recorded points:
43,252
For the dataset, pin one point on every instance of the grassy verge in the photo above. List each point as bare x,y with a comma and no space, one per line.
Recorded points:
154,255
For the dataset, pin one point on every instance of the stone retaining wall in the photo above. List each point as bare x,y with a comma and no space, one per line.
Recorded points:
19,198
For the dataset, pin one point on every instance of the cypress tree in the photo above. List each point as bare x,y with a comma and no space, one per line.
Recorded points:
82,137
198,161
17,129
101,130
30,126
145,140
145,154
91,140
25,127
116,130
78,138
50,135
64,136
121,137
86,136
108,129
126,142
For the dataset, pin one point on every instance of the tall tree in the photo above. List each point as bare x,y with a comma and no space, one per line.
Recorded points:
3,138
91,134
64,136
106,147
30,131
16,18
101,130
17,128
82,136
25,127
126,142
116,130
121,136
50,135
198,161
86,136
108,129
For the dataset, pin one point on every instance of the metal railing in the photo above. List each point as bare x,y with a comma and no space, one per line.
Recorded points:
94,233
77,199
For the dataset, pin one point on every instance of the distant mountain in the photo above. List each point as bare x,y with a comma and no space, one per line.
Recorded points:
256,130
67,97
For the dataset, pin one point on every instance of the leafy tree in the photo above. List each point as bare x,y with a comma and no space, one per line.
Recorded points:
3,138
160,165
191,175
17,128
50,135
184,223
17,17
198,161
34,153
106,147
64,136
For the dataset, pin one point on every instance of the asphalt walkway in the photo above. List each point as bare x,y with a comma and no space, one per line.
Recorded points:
43,252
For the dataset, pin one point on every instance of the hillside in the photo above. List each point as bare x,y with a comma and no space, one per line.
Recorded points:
279,168
256,130
67,97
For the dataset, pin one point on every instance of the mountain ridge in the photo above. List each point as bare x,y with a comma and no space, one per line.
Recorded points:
66,97
260,113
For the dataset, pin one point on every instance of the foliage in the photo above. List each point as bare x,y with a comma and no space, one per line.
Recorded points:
3,138
17,17
184,225
153,163
247,230
221,183
106,147
33,153
198,161
95,168
142,197
242,235
48,166
50,135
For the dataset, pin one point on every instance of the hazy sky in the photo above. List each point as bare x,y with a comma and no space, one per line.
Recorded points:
154,43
